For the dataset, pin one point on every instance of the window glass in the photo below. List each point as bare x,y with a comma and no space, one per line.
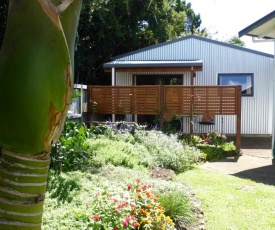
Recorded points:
245,80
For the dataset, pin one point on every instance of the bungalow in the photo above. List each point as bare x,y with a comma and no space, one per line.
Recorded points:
198,61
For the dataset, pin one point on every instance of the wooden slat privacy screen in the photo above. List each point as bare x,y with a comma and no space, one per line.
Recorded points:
180,100
124,99
177,100
216,100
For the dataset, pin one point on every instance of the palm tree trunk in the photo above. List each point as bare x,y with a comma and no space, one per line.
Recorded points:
22,189
36,80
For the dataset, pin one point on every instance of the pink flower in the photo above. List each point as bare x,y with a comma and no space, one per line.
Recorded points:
144,187
96,218
130,187
125,203
133,205
125,223
138,181
115,200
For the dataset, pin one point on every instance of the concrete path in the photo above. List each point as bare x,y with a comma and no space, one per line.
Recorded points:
255,163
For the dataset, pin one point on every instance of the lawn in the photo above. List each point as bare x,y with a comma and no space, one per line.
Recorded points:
232,203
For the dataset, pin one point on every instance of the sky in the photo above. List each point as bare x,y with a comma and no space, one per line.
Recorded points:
225,18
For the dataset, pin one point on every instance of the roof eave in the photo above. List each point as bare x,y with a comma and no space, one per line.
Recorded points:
248,30
125,65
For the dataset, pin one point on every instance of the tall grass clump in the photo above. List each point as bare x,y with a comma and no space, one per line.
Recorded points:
177,206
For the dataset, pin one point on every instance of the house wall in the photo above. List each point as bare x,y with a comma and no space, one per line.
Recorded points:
78,108
221,58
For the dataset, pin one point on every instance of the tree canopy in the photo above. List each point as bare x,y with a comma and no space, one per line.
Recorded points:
235,40
112,27
3,18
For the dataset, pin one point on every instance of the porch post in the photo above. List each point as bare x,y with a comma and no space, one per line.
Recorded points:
135,83
192,100
162,106
113,84
239,108
273,113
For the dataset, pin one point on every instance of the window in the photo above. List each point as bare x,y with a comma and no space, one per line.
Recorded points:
243,79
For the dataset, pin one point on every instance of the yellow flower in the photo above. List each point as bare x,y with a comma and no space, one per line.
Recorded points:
168,219
143,220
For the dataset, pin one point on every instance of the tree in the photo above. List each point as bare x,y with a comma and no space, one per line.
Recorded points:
235,40
110,28
36,79
3,18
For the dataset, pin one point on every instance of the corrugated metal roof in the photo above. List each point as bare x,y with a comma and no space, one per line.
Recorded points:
190,37
124,64
263,28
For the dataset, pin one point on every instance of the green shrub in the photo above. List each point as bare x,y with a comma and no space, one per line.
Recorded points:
192,140
63,187
168,151
119,153
229,146
69,153
213,153
79,148
216,138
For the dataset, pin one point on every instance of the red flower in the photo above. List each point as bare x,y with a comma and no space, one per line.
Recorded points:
96,218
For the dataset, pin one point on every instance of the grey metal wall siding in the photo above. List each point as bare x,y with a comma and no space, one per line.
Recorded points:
256,110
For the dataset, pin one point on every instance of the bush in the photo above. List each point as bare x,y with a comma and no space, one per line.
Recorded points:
213,153
168,151
80,148
119,153
214,145
70,152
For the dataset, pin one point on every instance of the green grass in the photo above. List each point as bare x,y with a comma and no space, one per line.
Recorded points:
232,203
